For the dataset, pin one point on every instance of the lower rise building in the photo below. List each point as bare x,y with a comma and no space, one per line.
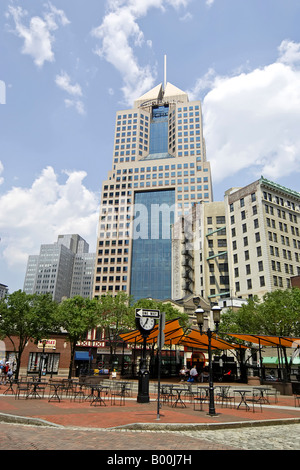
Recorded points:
65,269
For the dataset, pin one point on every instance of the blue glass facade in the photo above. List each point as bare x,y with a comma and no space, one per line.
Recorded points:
151,245
159,130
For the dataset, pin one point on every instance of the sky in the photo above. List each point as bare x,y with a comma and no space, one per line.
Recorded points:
67,67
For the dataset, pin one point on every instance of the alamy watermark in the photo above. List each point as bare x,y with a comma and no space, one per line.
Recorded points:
2,92
154,222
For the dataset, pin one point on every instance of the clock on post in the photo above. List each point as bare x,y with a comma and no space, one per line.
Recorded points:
145,322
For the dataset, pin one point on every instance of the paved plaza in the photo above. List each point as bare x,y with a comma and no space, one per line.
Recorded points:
37,424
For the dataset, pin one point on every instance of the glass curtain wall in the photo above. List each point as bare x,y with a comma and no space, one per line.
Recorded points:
151,245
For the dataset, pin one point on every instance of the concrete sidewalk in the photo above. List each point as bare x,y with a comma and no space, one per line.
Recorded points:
133,415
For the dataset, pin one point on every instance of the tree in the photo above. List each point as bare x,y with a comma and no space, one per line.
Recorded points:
277,314
77,316
115,316
26,317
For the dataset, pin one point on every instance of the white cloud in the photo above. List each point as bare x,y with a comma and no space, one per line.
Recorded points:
32,216
38,37
77,104
251,120
120,33
63,81
289,52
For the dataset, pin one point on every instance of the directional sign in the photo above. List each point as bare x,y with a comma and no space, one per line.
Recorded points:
142,312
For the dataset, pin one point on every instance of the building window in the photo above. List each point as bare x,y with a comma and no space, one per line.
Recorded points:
262,281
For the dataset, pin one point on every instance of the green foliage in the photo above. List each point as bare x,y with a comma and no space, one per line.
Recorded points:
115,313
278,314
27,317
77,316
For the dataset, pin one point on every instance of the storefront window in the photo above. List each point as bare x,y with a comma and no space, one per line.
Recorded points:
47,362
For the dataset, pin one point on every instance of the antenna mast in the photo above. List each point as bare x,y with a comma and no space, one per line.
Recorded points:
165,71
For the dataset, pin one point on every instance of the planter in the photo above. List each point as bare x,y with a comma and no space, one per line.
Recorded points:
253,381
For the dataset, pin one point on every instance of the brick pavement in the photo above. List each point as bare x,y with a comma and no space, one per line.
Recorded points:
78,425
138,415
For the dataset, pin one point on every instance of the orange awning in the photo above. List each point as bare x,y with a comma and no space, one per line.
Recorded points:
195,340
267,340
173,333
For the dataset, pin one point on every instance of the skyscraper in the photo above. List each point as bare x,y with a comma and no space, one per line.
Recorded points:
159,172
64,269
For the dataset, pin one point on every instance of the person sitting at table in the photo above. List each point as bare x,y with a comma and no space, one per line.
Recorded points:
183,374
204,374
193,375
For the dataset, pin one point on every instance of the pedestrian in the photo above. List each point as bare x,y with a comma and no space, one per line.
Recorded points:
183,374
193,375
4,371
2,366
9,373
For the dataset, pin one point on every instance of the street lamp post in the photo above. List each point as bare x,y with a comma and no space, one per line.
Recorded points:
200,321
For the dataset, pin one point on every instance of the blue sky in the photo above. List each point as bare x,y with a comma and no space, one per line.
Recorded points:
67,66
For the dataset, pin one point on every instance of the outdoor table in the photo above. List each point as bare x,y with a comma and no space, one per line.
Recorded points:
56,387
206,389
263,396
243,400
33,389
179,391
10,387
98,398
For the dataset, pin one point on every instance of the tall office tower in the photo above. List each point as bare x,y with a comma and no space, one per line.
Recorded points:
64,269
159,172
263,237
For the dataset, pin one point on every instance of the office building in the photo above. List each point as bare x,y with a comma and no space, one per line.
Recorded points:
3,291
200,257
263,237
159,171
246,245
65,269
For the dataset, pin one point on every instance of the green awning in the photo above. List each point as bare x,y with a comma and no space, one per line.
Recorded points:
270,360
296,361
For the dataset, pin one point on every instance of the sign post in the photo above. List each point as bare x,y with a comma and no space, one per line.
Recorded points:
145,321
160,343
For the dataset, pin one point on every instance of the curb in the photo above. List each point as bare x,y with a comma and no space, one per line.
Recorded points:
204,426
155,427
7,418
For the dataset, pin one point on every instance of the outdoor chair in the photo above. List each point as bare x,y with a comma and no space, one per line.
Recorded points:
166,394
255,399
199,399
189,392
78,393
67,387
272,392
22,390
120,393
224,396
41,388
296,393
